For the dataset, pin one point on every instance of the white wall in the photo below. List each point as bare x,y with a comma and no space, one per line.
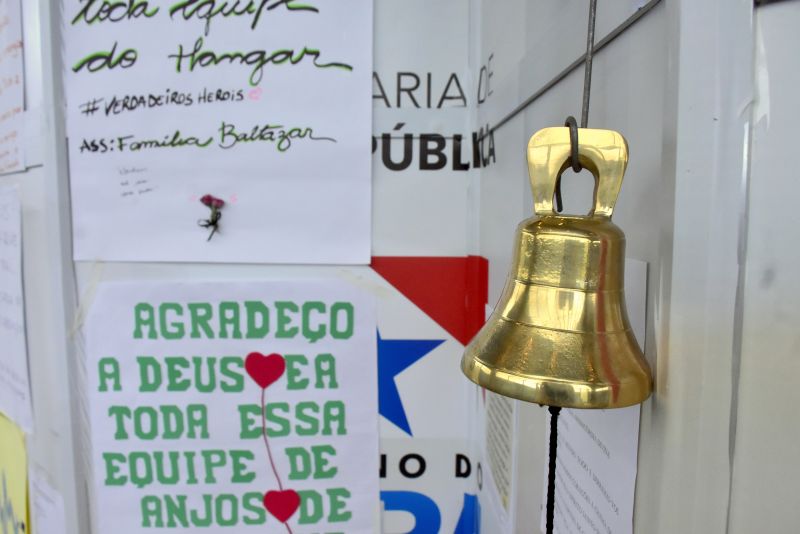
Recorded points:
765,493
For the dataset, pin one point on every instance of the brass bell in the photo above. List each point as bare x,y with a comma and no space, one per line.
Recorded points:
560,334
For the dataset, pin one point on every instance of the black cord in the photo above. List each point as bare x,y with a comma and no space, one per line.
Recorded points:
551,472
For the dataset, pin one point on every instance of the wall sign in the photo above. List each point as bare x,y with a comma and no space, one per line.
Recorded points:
233,407
264,105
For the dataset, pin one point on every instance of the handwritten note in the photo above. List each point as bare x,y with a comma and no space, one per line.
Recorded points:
12,91
15,396
13,479
263,104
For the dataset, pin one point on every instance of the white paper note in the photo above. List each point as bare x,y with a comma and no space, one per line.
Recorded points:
500,430
177,377
598,449
266,108
15,393
596,470
47,506
12,88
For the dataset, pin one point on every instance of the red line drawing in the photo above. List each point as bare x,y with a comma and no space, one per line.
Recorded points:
265,370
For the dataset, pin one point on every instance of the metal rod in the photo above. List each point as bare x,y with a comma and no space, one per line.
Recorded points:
587,73
616,32
587,91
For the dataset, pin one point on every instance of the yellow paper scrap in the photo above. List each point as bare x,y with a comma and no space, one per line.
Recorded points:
13,479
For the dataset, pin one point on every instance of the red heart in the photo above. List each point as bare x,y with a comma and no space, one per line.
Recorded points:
264,369
282,504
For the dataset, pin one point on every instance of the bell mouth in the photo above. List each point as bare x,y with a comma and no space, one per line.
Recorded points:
550,391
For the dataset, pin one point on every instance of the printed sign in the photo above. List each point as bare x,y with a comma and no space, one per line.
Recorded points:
265,106
500,457
425,152
234,407
596,470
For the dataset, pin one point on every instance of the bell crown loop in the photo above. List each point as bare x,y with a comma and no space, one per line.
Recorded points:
603,152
